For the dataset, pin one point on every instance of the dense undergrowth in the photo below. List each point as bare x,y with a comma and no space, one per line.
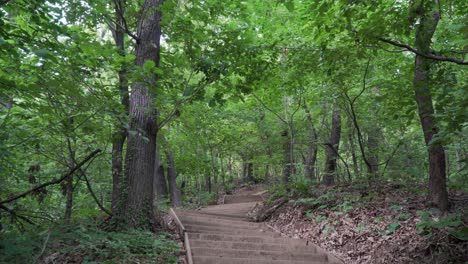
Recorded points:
87,243
384,222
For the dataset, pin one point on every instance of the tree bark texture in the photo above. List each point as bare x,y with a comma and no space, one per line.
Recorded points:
120,133
159,184
421,82
352,147
309,168
141,145
208,182
174,191
250,173
71,163
373,138
287,156
331,148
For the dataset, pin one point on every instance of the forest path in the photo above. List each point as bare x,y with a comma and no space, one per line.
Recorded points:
223,234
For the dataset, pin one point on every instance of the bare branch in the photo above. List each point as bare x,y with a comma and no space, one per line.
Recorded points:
56,181
13,213
339,156
269,109
4,2
178,104
121,17
94,195
364,82
427,56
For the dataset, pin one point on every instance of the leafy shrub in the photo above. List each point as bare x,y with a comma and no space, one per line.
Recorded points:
205,197
299,185
277,191
404,216
91,244
390,229
229,188
321,202
428,224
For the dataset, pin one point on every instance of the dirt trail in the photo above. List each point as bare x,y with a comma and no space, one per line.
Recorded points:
223,234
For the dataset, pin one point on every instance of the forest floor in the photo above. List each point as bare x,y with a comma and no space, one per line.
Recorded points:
384,223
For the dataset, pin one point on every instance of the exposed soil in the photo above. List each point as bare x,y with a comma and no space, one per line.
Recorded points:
375,224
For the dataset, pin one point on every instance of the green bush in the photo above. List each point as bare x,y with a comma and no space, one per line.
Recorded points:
205,197
428,223
90,243
299,185
277,191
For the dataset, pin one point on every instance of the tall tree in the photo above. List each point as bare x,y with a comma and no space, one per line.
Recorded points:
309,165
174,191
331,148
141,145
429,15
120,133
159,181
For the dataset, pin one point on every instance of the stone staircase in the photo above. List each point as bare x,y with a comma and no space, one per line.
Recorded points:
222,234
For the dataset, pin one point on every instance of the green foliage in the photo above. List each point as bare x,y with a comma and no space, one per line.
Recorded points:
404,216
428,224
91,244
321,201
461,233
309,214
395,207
277,191
320,218
205,197
299,185
343,207
391,229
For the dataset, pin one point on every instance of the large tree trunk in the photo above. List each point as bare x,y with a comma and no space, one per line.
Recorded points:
214,167
71,163
372,147
69,196
174,192
437,174
208,182
287,156
159,184
352,147
332,147
120,133
311,159
245,168
250,171
141,144
223,172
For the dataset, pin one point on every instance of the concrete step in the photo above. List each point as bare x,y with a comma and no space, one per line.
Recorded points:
227,230
221,216
225,260
255,246
252,238
258,254
222,234
216,223
220,221
233,199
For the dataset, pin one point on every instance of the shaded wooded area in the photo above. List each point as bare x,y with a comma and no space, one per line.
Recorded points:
114,110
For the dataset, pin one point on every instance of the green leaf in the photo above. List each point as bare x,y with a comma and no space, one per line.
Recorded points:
461,233
132,132
41,53
391,229
149,65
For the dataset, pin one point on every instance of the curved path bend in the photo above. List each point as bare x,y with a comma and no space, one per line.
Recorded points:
222,234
